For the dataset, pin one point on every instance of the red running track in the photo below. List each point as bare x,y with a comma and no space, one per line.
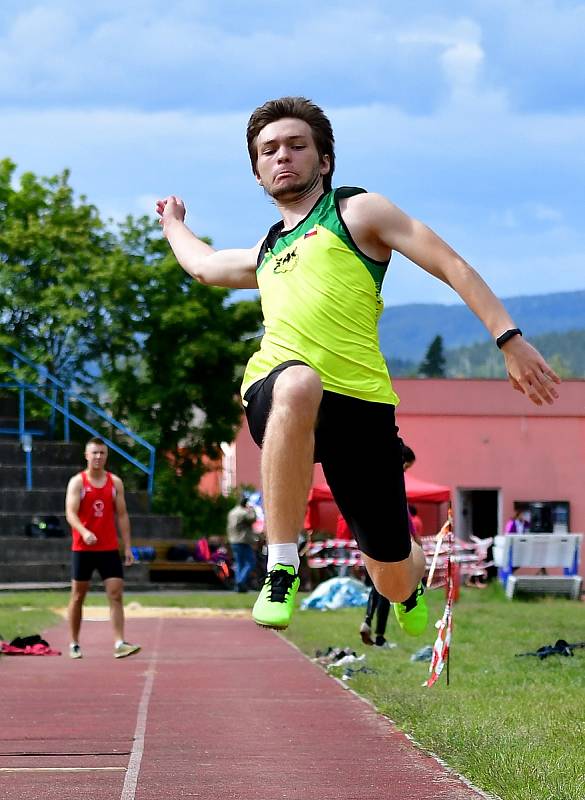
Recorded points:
211,708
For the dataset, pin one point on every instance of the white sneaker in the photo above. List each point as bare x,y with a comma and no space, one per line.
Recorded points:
126,649
385,645
75,651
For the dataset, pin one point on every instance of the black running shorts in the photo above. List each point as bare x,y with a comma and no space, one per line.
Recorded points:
357,444
107,562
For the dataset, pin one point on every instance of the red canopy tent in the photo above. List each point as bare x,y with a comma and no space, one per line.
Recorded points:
425,492
322,511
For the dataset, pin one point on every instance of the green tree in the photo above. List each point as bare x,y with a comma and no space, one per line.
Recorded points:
176,348
433,365
564,351
108,307
50,244
560,366
173,363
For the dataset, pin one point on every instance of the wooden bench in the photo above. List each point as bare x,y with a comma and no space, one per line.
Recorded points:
162,569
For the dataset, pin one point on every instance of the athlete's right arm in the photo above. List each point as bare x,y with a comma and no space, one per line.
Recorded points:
72,501
235,269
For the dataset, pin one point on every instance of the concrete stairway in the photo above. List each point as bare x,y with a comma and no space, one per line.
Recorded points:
23,559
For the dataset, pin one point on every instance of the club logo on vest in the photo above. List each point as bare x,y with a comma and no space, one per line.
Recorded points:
98,508
286,263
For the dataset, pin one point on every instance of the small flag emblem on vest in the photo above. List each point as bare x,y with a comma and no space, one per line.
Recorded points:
312,232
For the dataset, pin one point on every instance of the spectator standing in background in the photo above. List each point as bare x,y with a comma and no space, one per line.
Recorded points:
516,522
95,508
417,525
240,534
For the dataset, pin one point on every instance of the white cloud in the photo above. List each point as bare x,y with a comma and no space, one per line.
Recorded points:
462,63
448,113
479,190
186,57
524,215
51,26
226,56
504,218
546,214
146,203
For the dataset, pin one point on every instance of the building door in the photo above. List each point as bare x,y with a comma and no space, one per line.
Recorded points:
478,513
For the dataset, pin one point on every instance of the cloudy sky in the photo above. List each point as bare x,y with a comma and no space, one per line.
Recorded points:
469,115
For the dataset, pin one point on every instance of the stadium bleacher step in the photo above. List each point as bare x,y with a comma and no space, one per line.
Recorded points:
29,560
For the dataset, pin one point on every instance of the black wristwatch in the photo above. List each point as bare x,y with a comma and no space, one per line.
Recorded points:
507,335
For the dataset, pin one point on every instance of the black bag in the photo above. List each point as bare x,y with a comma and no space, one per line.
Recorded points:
46,527
26,641
180,552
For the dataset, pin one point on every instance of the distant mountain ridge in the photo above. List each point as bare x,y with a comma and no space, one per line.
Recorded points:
406,331
564,351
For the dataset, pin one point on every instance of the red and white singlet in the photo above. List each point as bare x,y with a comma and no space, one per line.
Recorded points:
97,514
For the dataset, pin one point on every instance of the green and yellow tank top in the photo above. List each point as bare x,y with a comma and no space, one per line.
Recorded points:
321,303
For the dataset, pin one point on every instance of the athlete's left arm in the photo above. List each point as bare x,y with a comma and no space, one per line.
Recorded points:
527,370
123,520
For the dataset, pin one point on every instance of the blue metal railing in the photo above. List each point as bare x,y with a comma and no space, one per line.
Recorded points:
52,399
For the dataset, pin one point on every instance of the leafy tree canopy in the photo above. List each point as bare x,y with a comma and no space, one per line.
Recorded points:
50,245
175,348
107,307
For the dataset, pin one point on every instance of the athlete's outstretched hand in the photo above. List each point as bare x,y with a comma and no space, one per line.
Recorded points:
528,371
170,208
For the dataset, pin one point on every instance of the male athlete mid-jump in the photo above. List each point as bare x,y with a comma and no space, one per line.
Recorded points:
318,388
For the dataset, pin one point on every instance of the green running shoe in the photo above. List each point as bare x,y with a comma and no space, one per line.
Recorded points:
413,614
275,603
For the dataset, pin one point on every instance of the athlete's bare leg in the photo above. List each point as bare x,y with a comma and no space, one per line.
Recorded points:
288,450
75,608
397,580
115,592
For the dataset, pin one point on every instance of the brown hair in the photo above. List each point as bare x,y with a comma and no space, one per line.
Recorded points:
95,440
297,108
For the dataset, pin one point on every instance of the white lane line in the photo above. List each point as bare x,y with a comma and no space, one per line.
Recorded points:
131,779
62,769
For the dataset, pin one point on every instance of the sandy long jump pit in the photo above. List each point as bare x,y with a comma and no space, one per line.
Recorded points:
137,611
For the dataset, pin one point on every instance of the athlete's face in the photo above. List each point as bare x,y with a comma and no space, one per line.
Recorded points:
289,166
96,455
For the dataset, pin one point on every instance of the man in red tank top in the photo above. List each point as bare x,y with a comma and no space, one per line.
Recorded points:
95,508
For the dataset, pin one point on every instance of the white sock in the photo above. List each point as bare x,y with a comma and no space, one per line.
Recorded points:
74,644
119,642
283,554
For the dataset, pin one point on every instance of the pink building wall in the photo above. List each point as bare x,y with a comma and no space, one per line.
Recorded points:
481,434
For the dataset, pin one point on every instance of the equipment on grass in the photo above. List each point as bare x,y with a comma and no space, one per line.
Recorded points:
560,648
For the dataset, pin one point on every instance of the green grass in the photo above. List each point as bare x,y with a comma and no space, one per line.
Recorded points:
25,613
15,621
513,726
